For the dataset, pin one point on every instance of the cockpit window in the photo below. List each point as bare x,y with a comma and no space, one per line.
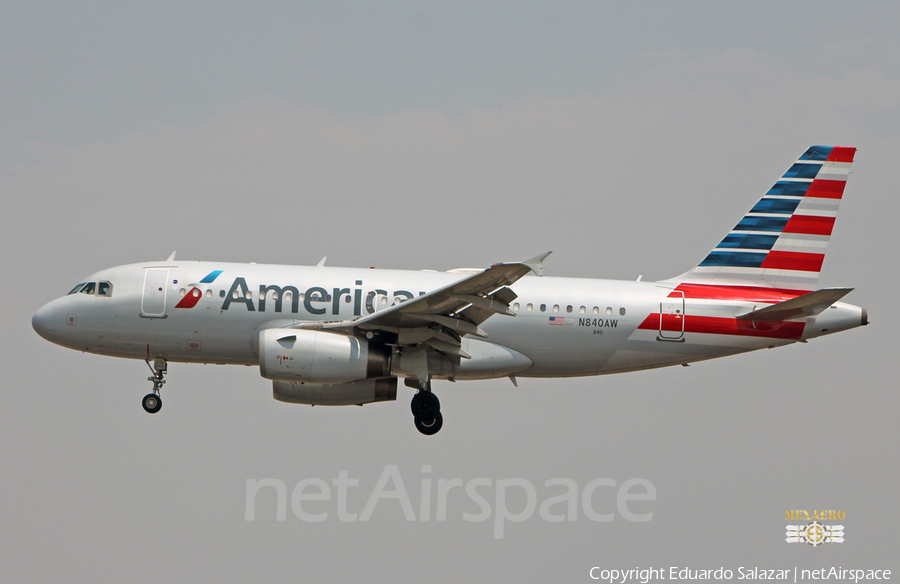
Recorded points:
76,288
104,289
88,288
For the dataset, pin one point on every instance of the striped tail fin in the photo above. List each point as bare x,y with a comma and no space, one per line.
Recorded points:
781,242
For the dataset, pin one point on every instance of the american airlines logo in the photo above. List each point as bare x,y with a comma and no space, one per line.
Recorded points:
315,299
193,296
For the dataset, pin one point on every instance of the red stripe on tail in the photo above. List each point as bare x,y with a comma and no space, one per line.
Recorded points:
841,154
826,189
809,224
793,260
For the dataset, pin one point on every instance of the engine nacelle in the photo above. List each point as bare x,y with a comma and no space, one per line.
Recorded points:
320,357
336,394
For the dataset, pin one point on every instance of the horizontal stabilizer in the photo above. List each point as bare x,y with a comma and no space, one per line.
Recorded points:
802,306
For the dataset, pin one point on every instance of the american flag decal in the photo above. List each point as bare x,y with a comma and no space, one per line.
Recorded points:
557,320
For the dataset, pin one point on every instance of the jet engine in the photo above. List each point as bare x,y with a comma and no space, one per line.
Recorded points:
320,357
336,394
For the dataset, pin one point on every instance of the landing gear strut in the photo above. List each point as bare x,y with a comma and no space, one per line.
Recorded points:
426,409
152,402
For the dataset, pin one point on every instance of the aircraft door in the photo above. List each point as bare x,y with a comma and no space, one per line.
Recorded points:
153,300
671,315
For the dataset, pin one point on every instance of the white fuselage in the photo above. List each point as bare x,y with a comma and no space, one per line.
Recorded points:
565,327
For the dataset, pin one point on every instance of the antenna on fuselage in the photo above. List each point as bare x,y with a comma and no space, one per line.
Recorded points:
171,257
321,262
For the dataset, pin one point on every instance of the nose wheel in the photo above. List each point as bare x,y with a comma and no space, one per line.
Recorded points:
152,402
426,409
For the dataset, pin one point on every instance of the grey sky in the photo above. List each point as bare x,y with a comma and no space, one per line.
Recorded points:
628,138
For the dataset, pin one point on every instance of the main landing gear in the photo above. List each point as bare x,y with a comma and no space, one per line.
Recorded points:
152,402
426,409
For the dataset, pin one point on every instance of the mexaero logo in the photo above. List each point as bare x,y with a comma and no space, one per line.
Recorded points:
815,533
193,296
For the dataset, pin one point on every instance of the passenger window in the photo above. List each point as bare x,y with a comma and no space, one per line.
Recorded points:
596,310
556,308
104,289
209,293
221,293
89,288
608,310
76,288
516,307
182,292
529,307
582,310
543,307
569,308
622,311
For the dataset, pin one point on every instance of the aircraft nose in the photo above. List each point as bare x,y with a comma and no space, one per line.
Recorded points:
42,321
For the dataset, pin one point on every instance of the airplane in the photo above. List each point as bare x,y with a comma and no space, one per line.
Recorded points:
345,336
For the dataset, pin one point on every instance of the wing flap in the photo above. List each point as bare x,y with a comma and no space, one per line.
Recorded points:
441,317
477,313
475,290
460,326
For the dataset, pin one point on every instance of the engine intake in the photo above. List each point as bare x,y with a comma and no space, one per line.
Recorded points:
320,357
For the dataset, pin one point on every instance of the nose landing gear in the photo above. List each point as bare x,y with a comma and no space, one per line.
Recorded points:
426,409
152,402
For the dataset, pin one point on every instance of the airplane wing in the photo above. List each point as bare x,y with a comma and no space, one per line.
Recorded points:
800,307
441,317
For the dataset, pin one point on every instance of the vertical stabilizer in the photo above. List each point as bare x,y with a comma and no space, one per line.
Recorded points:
781,241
